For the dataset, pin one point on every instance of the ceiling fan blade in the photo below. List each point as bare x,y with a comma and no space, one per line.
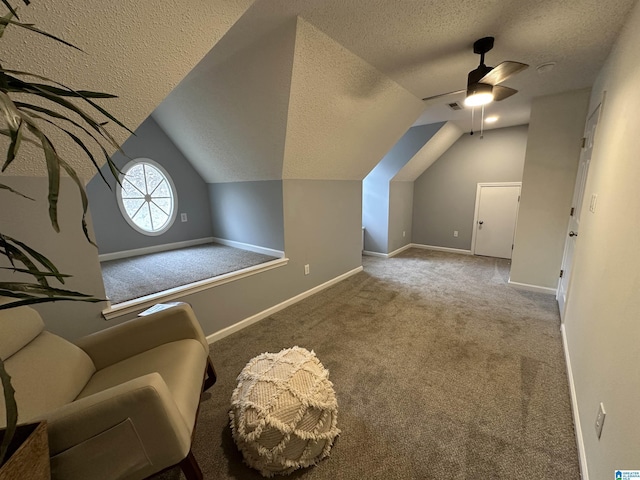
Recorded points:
501,72
443,95
500,92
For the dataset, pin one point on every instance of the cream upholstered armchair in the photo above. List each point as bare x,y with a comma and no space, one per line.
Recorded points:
119,404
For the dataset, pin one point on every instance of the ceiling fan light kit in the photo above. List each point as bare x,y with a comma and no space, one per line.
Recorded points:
485,80
478,94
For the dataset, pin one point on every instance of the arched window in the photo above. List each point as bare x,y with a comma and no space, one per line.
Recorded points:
147,197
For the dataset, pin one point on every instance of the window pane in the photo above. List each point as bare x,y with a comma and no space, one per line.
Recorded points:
163,204
136,176
154,177
159,217
143,219
146,197
129,191
132,206
162,190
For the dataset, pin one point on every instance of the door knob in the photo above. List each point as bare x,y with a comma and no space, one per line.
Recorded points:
480,222
573,234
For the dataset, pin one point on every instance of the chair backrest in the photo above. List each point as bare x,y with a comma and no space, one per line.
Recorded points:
46,370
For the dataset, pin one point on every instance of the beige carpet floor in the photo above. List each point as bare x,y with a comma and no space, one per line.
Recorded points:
441,370
133,277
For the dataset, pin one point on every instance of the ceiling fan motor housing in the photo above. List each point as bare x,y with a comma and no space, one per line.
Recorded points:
480,47
476,75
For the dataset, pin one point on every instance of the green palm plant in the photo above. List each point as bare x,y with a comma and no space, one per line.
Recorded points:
30,104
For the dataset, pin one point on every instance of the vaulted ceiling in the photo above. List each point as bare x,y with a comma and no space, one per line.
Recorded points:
358,67
426,45
330,100
135,50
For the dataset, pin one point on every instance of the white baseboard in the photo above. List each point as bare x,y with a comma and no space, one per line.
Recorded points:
532,288
441,249
247,246
157,248
220,334
375,254
387,255
582,455
400,250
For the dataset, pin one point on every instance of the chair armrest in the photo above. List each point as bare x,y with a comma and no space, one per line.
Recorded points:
138,335
145,401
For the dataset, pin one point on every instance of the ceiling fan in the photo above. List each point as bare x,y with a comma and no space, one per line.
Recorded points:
483,82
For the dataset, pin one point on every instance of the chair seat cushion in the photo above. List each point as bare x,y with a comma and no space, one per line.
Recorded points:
181,364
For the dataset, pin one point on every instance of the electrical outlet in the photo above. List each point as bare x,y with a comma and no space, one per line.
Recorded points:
600,419
183,217
455,233
404,234
306,269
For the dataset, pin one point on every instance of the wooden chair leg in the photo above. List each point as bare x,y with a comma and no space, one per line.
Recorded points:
190,467
210,375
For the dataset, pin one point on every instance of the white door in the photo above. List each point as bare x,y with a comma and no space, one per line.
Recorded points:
576,208
495,219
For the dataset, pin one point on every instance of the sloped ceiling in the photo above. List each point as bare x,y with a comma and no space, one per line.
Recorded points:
140,51
402,152
136,50
292,105
344,114
426,45
429,153
229,118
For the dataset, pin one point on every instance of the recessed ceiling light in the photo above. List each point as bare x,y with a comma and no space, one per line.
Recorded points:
491,119
545,67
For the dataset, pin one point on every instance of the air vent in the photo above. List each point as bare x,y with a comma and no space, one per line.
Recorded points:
455,106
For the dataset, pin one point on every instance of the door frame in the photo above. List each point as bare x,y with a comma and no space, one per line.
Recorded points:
477,207
587,136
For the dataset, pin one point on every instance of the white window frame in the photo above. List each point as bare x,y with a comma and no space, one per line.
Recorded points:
123,211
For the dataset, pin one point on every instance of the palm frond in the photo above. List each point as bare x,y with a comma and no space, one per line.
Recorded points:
28,26
7,187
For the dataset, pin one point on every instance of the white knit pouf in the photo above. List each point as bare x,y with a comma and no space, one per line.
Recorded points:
284,411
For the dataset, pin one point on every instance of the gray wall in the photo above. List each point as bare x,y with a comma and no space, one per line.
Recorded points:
375,204
248,212
375,212
68,250
445,194
322,228
603,306
400,214
322,221
113,233
550,168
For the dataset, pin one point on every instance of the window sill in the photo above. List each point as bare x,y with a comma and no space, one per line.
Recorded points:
142,303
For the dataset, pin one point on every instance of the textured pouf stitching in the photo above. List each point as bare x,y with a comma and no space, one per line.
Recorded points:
248,381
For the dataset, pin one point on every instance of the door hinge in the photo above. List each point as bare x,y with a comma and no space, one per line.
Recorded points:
572,210
584,142
518,198
512,246
561,273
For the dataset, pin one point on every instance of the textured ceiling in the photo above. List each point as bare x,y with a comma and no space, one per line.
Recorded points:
344,115
137,50
426,45
140,51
